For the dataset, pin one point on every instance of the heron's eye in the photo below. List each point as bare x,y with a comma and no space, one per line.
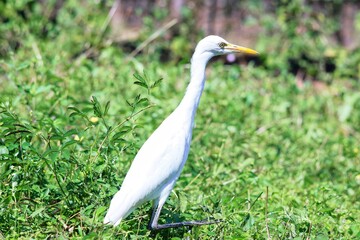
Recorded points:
222,45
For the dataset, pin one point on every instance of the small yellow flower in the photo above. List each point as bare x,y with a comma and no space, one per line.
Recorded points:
77,138
94,119
357,178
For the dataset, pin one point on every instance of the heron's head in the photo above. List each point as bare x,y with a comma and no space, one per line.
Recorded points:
215,45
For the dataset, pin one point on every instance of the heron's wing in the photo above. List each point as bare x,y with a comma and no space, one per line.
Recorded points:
158,162
159,159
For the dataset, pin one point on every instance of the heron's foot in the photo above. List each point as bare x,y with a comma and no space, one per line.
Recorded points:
183,224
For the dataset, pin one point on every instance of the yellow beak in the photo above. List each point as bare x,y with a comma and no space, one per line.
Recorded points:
239,49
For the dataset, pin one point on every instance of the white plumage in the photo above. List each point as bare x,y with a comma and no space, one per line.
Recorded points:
160,160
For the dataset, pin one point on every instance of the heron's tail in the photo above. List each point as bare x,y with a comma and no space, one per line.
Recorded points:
119,209
114,222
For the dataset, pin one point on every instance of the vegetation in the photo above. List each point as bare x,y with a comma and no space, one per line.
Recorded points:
272,159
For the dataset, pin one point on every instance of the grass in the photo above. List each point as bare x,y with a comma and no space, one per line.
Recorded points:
268,158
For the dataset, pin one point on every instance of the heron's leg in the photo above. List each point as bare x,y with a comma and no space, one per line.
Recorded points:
153,224
155,215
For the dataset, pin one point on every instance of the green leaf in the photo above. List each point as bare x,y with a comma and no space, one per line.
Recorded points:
49,151
142,100
74,109
107,106
139,77
248,222
96,107
99,211
156,83
37,212
70,132
65,145
142,80
142,84
123,131
130,104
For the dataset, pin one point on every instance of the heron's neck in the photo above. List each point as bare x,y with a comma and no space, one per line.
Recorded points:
191,100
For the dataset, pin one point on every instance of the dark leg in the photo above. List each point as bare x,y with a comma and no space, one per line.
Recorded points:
153,224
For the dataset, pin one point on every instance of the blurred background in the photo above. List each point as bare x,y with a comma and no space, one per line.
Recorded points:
313,40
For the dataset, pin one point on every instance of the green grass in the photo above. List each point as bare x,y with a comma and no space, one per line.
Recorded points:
267,157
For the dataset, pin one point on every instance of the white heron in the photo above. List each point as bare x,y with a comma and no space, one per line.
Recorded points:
159,162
